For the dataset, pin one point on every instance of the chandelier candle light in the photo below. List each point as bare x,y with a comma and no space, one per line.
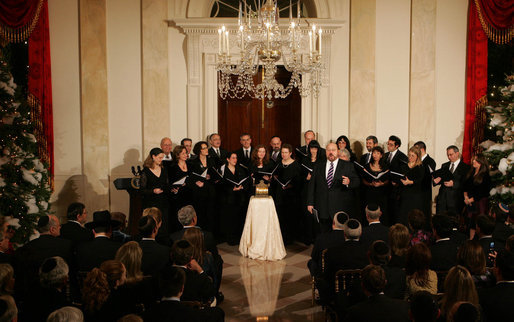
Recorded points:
262,43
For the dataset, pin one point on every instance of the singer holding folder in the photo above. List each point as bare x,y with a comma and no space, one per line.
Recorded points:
261,167
411,191
376,187
155,186
181,185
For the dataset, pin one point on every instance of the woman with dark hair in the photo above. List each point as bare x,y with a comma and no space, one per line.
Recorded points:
476,190
236,184
260,165
376,189
471,255
416,225
419,276
343,143
155,186
411,193
181,185
201,255
286,194
203,190
458,287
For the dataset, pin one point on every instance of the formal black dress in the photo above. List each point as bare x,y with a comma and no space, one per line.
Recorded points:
376,195
286,194
234,203
203,197
480,194
183,197
258,172
411,196
149,182
309,225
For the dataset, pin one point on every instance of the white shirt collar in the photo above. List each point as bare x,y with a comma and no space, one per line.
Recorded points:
167,157
328,166
76,222
145,238
374,222
442,239
171,298
424,157
455,164
393,153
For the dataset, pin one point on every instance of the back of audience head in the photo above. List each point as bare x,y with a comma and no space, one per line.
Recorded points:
100,281
509,245
130,318
416,219
471,255
8,309
49,225
458,286
131,255
155,213
147,227
181,252
505,266
485,225
75,210
418,262
121,218
373,279
187,216
442,226
171,281
53,273
500,212
353,229
340,219
379,253
464,312
195,238
6,279
66,314
399,239
373,212
423,307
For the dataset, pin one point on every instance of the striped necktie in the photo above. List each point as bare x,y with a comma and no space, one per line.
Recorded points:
330,176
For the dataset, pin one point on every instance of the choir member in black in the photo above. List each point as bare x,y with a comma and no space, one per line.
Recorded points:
429,165
155,186
203,188
234,199
261,166
314,156
182,193
286,193
411,192
376,189
476,190
343,143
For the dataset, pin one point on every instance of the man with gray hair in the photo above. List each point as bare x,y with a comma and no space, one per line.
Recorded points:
66,314
376,230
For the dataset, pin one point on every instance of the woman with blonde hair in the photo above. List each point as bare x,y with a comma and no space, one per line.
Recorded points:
458,286
419,276
399,241
130,254
411,192
6,279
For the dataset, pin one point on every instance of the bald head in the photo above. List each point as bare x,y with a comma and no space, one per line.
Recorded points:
332,153
166,145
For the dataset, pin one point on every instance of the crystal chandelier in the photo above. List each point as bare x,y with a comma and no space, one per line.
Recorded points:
262,43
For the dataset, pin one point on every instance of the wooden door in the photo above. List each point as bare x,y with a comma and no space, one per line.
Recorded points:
261,118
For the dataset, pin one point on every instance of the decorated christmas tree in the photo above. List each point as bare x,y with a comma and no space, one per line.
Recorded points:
24,182
499,146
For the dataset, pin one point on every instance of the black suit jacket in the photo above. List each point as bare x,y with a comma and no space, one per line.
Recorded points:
379,308
396,282
444,255
301,152
338,197
374,232
155,257
198,287
324,241
218,160
93,253
452,198
398,162
497,302
350,255
364,158
76,233
242,159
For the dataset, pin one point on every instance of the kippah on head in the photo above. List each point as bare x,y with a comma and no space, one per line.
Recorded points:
380,247
352,224
372,207
342,217
43,221
353,229
48,265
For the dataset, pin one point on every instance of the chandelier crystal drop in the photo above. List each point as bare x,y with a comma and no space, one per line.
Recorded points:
261,42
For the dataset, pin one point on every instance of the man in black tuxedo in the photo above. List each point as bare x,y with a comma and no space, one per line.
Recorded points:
444,251
497,301
155,255
379,254
396,161
275,144
244,154
93,253
74,229
451,177
218,154
376,230
331,188
429,165
378,307
166,147
371,142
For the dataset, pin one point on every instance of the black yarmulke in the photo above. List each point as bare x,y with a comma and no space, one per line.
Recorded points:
380,247
43,221
342,218
372,207
48,265
352,224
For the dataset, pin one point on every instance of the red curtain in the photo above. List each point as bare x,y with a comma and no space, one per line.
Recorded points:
497,19
18,18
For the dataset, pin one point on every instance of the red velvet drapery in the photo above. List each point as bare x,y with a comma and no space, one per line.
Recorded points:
19,21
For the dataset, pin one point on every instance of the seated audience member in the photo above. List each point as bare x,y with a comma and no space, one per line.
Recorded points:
399,240
162,237
155,255
380,254
444,250
504,227
171,309
6,279
198,286
497,301
416,225
118,230
130,255
333,238
377,307
8,309
105,296
51,293
419,276
376,230
423,307
471,256
484,231
5,256
93,253
458,286
464,312
456,235
130,318
187,218
74,229
66,314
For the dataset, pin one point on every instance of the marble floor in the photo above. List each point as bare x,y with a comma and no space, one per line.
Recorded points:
268,291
